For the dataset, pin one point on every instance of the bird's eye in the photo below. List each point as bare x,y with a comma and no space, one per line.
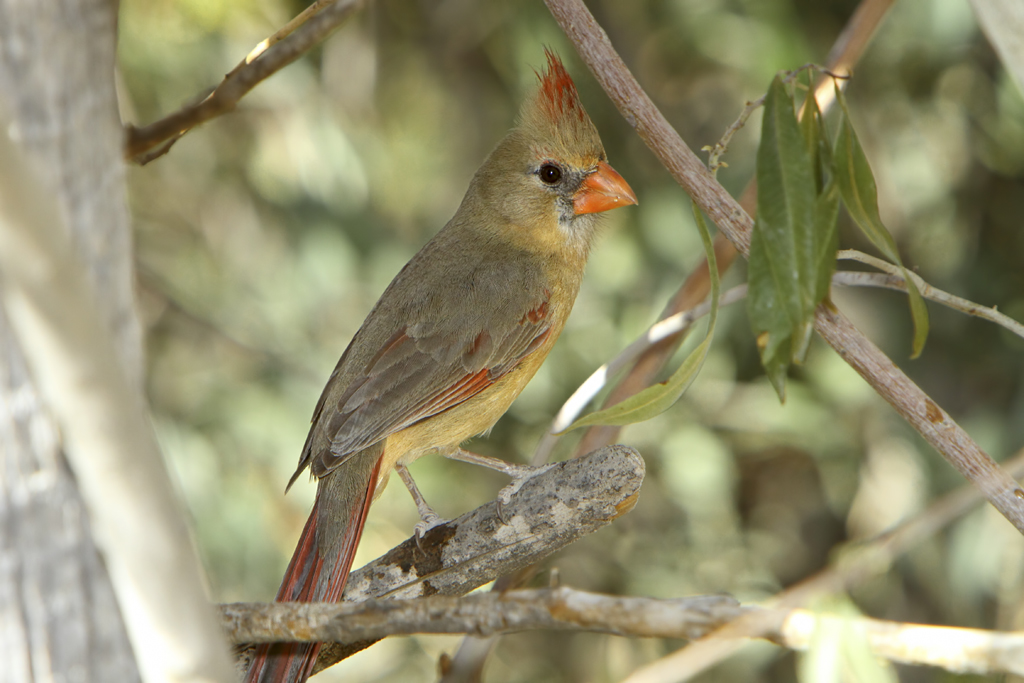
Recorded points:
550,174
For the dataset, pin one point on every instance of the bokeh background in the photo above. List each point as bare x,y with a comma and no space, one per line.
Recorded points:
264,238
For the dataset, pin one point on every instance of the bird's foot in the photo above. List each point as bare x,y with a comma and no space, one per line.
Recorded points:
520,475
428,518
427,522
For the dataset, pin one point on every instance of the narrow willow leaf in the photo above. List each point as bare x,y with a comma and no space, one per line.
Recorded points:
815,137
658,398
826,204
826,213
860,196
784,256
770,322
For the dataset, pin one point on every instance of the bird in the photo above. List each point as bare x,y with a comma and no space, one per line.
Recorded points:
452,340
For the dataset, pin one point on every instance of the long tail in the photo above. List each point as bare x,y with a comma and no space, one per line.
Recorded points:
320,565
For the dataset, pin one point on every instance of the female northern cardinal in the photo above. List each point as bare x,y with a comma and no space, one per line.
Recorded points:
453,340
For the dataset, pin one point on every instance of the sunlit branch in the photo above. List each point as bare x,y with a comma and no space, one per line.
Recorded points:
313,25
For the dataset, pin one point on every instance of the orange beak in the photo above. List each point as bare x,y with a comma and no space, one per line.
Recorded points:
602,190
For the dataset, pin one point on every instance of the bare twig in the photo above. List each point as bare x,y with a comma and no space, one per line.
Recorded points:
480,614
716,151
894,280
565,609
961,650
913,404
310,27
550,511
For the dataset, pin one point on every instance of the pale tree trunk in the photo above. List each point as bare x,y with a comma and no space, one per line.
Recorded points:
58,616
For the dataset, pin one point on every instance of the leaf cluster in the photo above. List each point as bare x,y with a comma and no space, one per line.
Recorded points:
802,175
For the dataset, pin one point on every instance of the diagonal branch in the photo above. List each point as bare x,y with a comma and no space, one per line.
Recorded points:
312,26
891,383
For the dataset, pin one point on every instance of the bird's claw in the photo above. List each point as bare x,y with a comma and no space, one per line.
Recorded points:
426,523
520,475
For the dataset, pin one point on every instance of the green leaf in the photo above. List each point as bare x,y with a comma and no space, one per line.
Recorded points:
815,137
658,398
826,205
785,250
860,196
771,324
826,211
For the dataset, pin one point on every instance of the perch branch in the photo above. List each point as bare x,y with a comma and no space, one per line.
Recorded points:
480,614
550,511
310,27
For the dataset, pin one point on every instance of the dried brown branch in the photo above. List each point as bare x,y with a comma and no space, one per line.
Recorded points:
550,511
913,404
312,26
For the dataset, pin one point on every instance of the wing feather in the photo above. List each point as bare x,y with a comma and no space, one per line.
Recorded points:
420,371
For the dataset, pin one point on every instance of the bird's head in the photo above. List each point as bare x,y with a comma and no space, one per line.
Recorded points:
550,175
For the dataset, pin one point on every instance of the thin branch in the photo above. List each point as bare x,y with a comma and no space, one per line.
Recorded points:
849,47
960,650
913,404
550,511
716,151
679,323
479,614
299,36
894,280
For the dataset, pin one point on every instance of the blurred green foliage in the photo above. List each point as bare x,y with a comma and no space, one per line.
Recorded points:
264,237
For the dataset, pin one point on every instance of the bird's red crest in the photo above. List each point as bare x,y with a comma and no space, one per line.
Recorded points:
557,91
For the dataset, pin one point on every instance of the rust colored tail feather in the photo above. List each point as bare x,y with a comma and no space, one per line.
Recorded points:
322,560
